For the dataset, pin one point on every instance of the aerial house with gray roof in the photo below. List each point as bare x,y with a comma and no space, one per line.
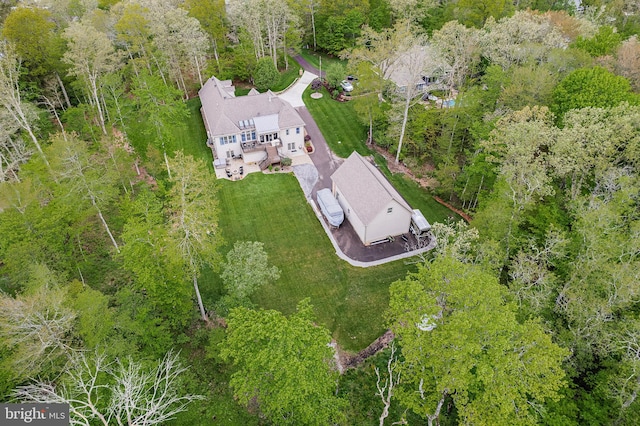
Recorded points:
370,203
255,127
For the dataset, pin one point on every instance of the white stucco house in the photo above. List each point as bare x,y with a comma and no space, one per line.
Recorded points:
257,127
370,203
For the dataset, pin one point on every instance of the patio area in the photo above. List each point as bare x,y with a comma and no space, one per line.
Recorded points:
238,169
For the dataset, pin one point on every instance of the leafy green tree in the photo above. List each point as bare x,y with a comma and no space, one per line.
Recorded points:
31,31
528,86
591,87
285,364
156,262
476,12
247,269
95,322
461,341
212,17
335,73
32,223
605,42
162,109
265,75
339,32
193,209
133,31
519,147
368,104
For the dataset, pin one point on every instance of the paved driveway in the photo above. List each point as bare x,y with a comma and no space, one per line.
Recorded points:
293,95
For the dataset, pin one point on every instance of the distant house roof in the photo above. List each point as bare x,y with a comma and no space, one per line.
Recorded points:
225,113
365,188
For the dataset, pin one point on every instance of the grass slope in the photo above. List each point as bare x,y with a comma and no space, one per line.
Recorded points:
338,123
314,59
272,209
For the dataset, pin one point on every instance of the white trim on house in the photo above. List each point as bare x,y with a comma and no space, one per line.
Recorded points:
242,127
370,203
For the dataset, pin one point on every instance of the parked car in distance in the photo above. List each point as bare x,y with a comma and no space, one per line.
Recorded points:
346,86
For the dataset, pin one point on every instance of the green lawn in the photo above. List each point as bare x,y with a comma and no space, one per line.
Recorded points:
192,138
287,76
338,123
314,58
344,133
272,209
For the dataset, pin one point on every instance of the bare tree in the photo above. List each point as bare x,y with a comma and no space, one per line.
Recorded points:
37,326
266,21
91,55
13,150
135,396
86,175
22,113
193,209
385,389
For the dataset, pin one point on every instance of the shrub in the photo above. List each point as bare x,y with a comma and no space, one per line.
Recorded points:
266,74
276,168
286,161
316,84
335,74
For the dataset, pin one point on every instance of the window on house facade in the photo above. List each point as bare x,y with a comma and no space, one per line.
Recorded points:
291,146
390,209
248,136
268,137
224,140
297,130
287,132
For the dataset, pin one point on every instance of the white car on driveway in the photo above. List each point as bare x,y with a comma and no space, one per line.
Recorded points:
346,86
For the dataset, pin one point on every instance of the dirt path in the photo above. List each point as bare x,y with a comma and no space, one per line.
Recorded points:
424,182
345,361
401,168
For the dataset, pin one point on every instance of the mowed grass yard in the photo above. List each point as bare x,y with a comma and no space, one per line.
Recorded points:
344,134
272,209
338,123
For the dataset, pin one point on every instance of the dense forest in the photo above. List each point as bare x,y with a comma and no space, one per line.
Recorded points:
133,288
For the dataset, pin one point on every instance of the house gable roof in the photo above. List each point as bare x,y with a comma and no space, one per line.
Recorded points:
365,188
224,111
